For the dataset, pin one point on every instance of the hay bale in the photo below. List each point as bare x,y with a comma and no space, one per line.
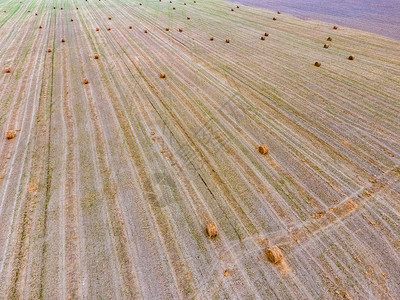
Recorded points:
167,29
351,57
335,27
61,8
278,12
85,81
109,18
266,34
317,64
48,50
35,14
237,6
130,27
72,20
145,31
180,30
173,8
162,75
232,9
326,46
62,40
211,229
211,38
263,149
188,18
263,38
10,134
8,70
329,39
40,27
97,29
108,28
227,41
96,56
274,254
76,8
274,19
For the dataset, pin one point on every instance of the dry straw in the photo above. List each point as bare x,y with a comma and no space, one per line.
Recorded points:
10,134
274,254
211,229
263,149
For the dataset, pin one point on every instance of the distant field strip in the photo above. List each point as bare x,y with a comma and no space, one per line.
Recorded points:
107,187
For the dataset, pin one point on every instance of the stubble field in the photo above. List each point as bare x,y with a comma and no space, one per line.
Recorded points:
107,187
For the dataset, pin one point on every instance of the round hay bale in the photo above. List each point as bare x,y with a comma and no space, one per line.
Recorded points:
76,8
72,20
194,1
145,31
54,7
266,34
85,81
61,8
167,29
40,27
62,41
326,46
180,30
351,57
335,27
130,27
329,39
109,18
184,3
49,50
10,134
317,64
263,149
173,8
211,38
237,6
274,254
35,14
97,29
263,38
274,19
108,28
278,12
8,70
227,41
96,56
211,229
162,75
188,18
232,9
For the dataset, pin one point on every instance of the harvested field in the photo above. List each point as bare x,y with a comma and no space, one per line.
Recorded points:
107,188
